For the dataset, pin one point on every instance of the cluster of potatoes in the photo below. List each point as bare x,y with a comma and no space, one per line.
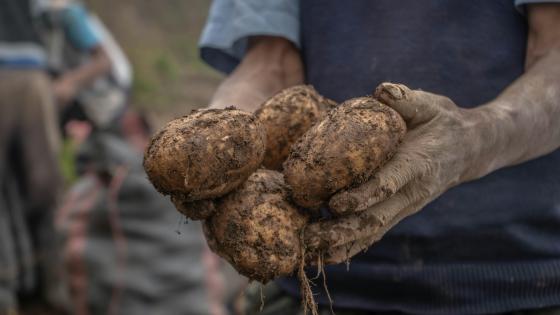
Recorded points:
255,179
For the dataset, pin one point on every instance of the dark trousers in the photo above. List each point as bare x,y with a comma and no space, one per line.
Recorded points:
29,186
278,302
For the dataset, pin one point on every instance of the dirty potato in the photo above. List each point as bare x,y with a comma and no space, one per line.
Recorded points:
204,155
343,149
286,117
256,229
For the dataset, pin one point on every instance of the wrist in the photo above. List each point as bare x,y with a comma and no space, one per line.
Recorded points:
270,65
492,127
275,57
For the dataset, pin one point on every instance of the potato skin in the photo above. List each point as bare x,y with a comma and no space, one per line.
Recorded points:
205,154
256,229
286,117
342,150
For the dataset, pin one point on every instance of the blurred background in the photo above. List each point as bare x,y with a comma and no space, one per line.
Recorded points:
160,41
160,38
83,86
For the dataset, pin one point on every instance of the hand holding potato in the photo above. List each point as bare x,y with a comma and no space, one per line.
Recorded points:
343,149
437,153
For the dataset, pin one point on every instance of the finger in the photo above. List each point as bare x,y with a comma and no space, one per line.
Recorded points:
414,106
389,179
338,254
373,222
194,210
344,253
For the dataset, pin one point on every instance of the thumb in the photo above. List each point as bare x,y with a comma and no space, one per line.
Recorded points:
414,106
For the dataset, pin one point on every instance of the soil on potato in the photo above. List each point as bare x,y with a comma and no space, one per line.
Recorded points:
257,230
344,149
205,154
286,117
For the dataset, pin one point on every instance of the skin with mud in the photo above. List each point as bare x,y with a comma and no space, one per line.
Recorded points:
344,149
286,117
256,229
207,162
204,155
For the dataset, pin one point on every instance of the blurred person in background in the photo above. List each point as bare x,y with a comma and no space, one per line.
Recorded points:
126,249
490,246
29,141
115,228
91,74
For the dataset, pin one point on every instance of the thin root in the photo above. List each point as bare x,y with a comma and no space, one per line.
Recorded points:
306,292
348,257
319,266
262,298
322,271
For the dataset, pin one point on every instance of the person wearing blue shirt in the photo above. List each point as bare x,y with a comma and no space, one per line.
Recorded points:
29,177
73,20
464,219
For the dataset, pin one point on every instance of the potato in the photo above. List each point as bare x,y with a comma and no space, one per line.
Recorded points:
205,155
286,117
256,229
342,150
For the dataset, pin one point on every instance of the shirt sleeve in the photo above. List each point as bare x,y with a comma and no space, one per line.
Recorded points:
78,29
231,22
520,4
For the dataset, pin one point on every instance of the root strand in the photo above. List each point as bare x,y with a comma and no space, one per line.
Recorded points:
306,292
262,298
322,271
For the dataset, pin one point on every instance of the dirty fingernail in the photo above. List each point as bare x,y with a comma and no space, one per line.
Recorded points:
389,90
394,91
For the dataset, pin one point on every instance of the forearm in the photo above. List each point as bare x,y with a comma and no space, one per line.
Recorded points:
98,65
270,65
277,57
524,121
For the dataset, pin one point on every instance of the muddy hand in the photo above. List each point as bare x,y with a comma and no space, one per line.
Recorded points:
439,151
